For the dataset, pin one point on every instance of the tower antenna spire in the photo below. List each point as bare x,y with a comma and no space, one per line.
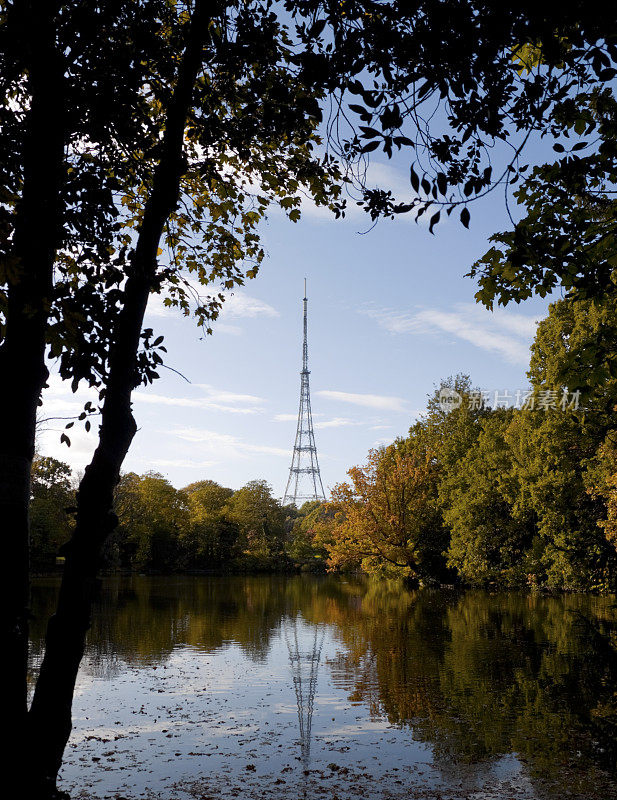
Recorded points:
304,482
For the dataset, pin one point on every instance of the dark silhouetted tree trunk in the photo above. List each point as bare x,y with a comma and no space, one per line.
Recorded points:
50,713
22,353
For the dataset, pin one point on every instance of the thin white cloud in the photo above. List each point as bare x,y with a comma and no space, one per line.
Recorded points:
225,445
337,422
150,398
58,388
241,305
60,402
232,330
237,305
382,402
223,396
59,405
181,463
506,333
83,444
157,308
212,400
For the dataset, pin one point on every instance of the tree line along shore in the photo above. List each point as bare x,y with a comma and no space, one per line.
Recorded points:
518,494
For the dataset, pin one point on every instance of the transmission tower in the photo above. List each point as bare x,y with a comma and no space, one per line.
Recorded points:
304,481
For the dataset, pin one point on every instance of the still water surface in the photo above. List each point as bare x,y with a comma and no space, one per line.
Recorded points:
252,687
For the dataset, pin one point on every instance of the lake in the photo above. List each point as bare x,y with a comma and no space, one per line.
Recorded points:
289,687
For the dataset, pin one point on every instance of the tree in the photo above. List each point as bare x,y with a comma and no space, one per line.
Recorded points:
468,105
261,523
223,106
52,495
518,496
305,548
72,106
449,431
489,541
566,236
574,350
153,518
550,450
601,480
558,449
387,519
211,537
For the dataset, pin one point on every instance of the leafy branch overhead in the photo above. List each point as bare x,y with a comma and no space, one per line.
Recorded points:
249,141
283,107
462,90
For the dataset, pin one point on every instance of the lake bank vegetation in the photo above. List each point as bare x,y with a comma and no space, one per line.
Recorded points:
204,527
521,493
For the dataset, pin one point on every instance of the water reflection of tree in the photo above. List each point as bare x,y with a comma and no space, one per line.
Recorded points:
474,675
479,677
141,620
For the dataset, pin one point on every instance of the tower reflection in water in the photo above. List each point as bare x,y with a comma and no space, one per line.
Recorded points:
304,644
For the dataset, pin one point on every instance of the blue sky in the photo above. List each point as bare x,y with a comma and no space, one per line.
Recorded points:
390,315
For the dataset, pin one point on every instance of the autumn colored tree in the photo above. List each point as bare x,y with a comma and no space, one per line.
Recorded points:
521,496
386,520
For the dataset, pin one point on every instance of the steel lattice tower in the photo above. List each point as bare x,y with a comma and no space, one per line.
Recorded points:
304,478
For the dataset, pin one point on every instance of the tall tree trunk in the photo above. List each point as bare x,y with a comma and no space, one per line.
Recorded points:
22,353
50,714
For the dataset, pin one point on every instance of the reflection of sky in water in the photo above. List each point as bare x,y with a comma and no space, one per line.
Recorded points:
219,714
221,720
